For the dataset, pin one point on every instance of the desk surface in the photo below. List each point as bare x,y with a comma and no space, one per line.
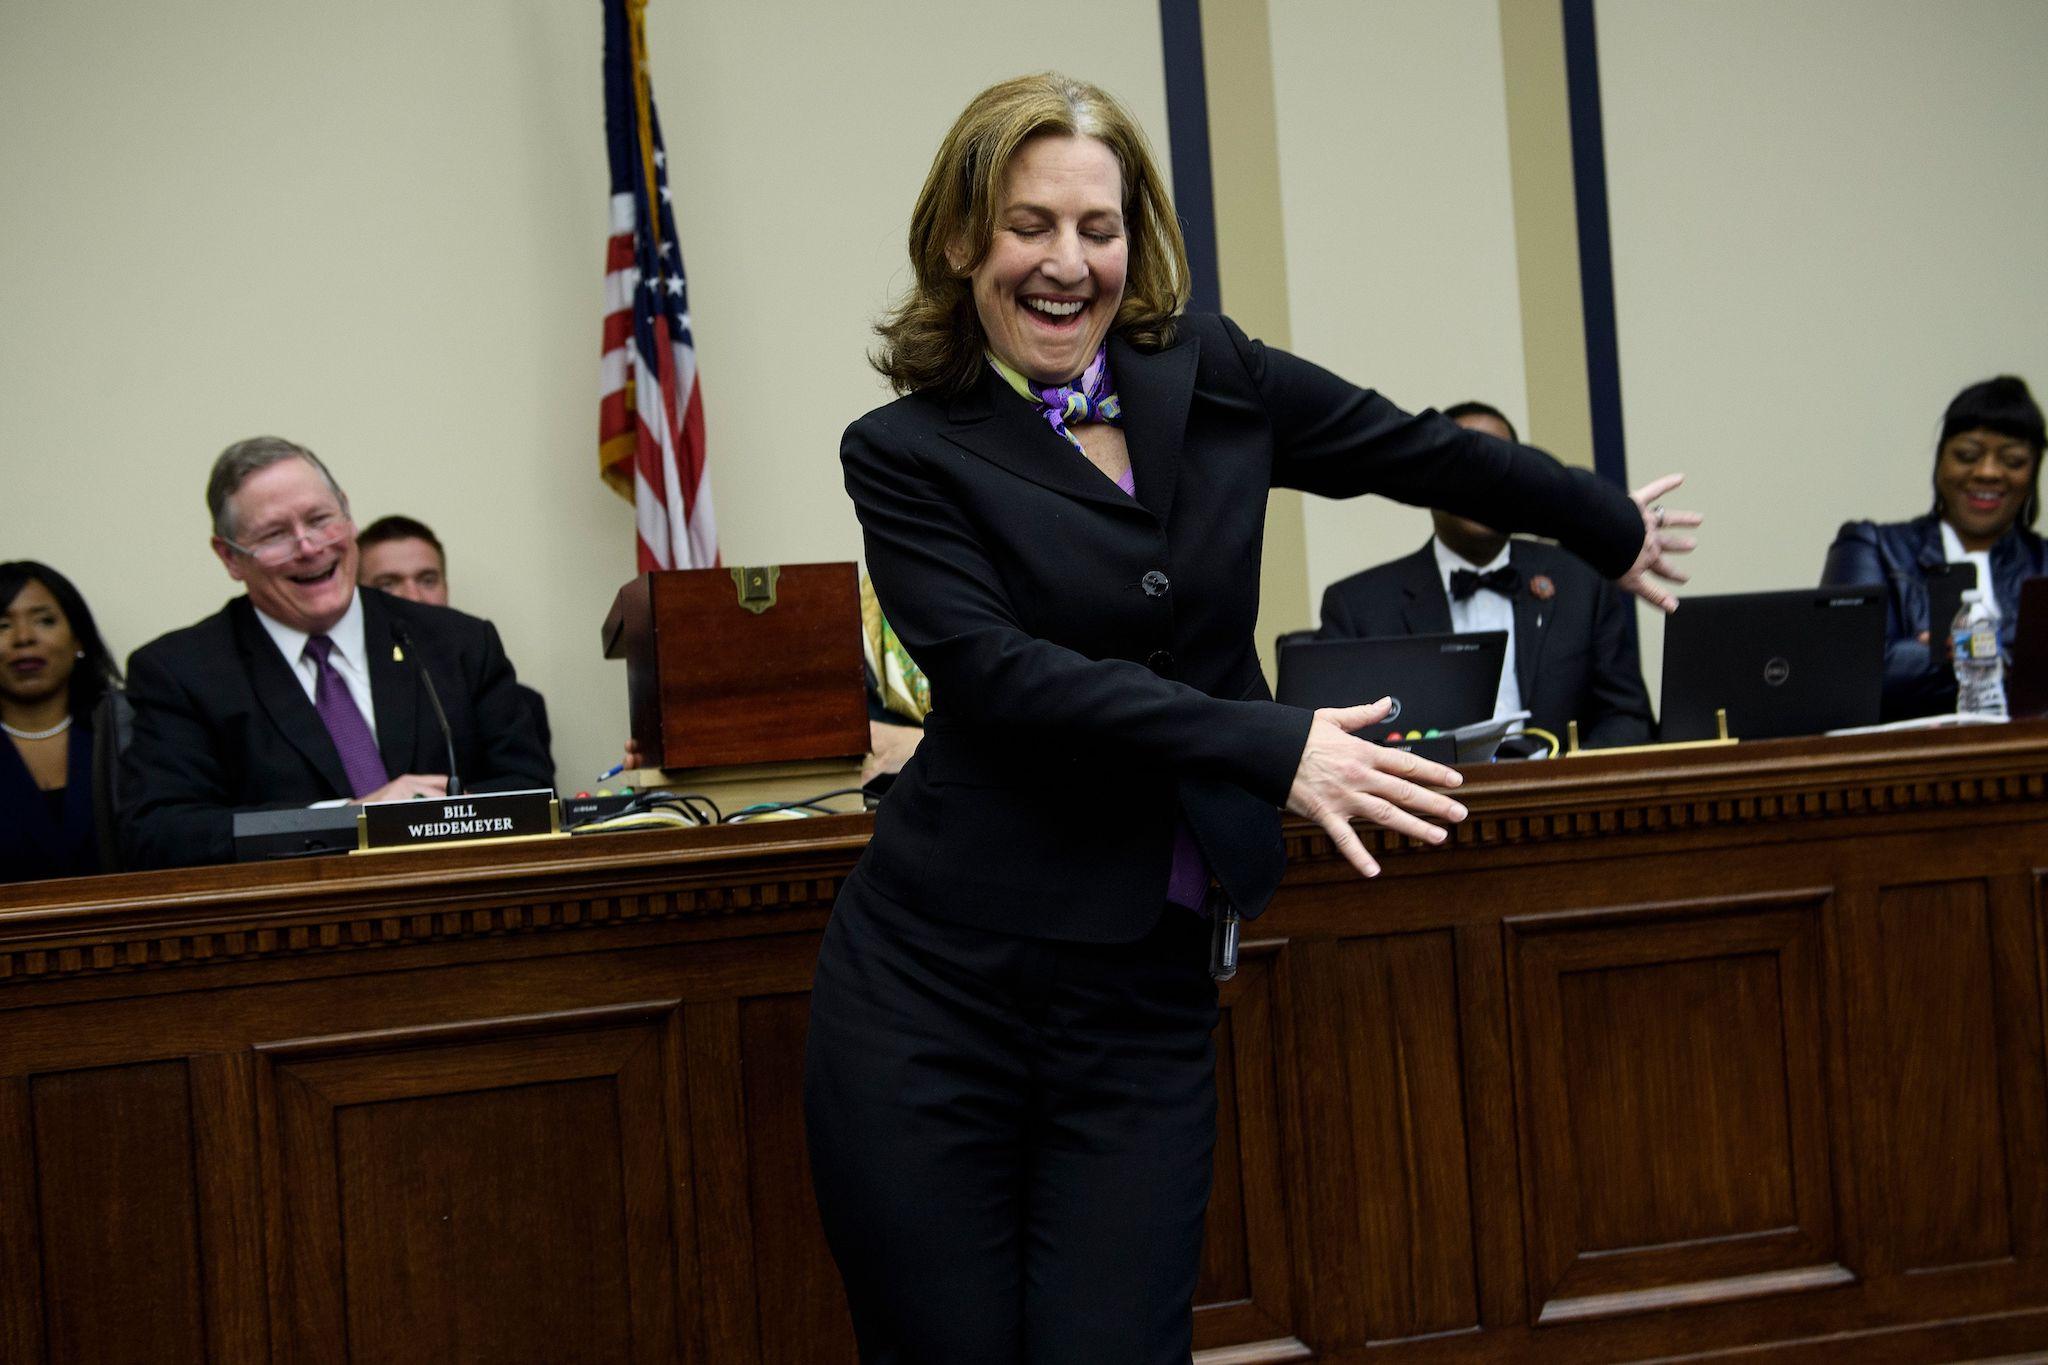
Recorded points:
1663,1053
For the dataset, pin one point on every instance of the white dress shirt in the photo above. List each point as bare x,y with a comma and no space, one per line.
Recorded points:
1483,610
348,657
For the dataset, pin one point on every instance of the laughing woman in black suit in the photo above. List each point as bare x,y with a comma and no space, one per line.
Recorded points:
54,668
1010,1086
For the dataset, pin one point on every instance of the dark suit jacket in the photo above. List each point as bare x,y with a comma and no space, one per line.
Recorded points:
1575,654
537,707
1918,679
1091,655
222,724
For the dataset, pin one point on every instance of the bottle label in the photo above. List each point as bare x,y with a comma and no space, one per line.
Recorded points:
1978,642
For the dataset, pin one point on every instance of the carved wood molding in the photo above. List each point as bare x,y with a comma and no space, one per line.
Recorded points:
142,922
273,929
1728,794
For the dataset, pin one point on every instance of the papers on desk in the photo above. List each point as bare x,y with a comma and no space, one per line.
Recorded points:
1949,721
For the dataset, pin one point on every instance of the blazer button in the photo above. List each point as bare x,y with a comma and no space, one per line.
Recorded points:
1160,661
1155,583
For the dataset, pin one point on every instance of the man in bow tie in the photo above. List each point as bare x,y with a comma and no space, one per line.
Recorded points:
1571,651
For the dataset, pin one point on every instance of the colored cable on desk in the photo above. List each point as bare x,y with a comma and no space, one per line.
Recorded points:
810,804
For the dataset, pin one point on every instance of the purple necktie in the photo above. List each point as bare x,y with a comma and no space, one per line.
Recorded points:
345,724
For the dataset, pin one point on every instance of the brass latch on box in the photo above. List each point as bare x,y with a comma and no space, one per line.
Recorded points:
756,586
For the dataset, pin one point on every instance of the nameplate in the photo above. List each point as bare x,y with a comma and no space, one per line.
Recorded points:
457,819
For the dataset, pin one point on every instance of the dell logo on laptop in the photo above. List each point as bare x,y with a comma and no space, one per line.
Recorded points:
1776,672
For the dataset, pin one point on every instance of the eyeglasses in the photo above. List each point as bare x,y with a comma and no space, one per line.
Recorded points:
318,531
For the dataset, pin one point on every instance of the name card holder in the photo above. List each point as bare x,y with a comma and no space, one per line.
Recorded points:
1723,739
437,821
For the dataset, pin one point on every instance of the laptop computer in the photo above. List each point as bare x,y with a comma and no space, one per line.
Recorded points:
1438,682
2026,685
1781,663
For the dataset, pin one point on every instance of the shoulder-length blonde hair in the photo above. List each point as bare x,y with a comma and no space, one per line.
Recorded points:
933,338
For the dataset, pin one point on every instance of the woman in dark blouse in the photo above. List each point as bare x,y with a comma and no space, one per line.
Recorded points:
54,668
1987,475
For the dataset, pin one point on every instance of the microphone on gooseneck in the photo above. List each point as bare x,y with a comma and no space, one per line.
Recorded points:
419,663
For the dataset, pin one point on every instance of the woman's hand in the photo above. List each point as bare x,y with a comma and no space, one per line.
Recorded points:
1344,778
1658,544
889,748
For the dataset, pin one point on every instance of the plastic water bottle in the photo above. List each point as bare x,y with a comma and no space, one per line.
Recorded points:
1980,675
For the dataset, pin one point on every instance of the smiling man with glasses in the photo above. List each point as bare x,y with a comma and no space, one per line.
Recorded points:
306,691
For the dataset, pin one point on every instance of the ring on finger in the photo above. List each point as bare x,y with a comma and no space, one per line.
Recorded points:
1658,512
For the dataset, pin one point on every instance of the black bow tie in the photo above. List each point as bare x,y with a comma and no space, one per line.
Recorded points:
1506,581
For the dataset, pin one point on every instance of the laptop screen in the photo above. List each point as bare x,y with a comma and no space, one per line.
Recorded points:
1780,663
2026,686
1438,682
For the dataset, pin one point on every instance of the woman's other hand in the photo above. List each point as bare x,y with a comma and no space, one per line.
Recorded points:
1659,544
1344,778
889,748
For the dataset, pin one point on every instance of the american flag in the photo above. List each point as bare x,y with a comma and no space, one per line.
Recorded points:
650,417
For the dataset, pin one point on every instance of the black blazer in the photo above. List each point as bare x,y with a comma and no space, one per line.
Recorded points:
222,724
33,844
1575,652
1918,679
1091,655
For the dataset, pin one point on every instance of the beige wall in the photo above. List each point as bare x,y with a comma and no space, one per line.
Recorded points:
1400,237
379,228
1828,218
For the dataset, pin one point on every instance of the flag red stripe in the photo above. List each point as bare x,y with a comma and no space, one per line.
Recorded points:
613,418
690,450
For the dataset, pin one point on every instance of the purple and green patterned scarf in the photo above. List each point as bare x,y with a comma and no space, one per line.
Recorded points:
1091,398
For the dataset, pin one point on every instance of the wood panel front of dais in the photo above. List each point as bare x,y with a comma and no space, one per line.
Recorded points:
1734,1054
1245,1295
1388,1205
498,1190
1953,1099
1674,1069
102,1236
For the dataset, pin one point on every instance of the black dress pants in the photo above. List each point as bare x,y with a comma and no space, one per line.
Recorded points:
1011,1139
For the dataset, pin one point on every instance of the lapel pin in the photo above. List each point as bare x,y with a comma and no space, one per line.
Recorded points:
1541,588
397,655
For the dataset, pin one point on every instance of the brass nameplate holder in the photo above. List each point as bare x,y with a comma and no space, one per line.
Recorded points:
433,821
1572,749
756,586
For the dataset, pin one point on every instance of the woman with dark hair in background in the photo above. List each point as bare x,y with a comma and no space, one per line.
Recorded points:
1987,475
54,668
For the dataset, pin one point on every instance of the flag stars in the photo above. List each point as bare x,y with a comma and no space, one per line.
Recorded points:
666,197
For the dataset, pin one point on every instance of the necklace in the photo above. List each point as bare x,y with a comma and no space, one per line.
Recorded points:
55,730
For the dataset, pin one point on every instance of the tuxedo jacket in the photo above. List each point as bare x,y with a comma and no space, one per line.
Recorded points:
1575,650
223,724
1091,654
